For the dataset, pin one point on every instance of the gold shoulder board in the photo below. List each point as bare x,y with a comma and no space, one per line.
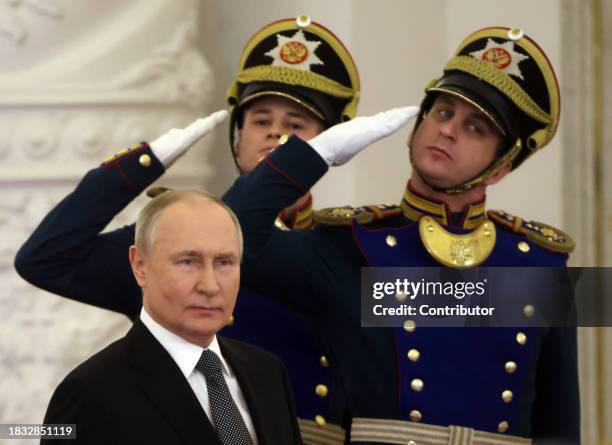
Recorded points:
121,153
541,234
344,216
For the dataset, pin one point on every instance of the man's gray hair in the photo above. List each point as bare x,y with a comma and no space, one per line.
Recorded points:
148,216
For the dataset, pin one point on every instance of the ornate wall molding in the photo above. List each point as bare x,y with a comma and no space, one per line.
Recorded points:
165,66
95,87
40,143
174,71
15,16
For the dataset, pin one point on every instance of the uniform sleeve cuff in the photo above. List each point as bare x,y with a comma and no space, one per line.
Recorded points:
298,161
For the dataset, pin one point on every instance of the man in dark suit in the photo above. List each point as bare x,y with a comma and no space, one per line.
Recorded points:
171,379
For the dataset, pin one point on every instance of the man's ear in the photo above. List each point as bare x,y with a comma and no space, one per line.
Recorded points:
138,262
499,175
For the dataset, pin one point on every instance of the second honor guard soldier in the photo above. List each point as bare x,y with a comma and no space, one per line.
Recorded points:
495,105
295,77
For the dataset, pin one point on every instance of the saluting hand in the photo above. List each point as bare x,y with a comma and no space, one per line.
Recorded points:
173,144
338,144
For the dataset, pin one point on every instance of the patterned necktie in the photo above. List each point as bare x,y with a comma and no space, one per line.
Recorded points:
229,424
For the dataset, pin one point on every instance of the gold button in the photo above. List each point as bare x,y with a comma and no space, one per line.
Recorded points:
529,310
324,362
510,367
391,241
414,355
507,396
144,160
415,415
321,390
523,247
502,427
430,228
409,326
282,139
521,338
417,385
320,420
231,320
401,297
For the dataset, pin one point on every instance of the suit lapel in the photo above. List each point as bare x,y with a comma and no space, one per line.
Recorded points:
257,393
166,387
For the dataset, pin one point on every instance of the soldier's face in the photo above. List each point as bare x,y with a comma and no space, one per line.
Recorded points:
265,121
190,274
453,143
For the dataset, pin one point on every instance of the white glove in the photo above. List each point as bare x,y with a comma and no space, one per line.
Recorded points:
172,145
338,144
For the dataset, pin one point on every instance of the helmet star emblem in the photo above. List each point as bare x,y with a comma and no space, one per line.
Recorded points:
295,52
503,56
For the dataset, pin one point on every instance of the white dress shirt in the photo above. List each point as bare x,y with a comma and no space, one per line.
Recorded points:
186,356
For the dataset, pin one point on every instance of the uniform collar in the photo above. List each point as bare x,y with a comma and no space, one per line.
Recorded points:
415,206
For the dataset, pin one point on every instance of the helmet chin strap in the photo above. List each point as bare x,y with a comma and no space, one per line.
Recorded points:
488,172
453,189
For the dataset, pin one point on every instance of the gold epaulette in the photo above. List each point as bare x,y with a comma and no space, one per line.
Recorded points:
344,216
541,234
145,160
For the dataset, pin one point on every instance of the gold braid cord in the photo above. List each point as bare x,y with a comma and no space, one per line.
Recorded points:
290,76
487,72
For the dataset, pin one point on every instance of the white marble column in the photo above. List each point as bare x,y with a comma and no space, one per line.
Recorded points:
587,210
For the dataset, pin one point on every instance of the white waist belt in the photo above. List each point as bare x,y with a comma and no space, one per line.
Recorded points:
403,432
328,434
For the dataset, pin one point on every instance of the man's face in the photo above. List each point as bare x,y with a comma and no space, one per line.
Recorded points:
190,274
453,143
266,120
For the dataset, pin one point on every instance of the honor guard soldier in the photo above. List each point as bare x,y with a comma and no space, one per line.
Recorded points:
495,105
295,77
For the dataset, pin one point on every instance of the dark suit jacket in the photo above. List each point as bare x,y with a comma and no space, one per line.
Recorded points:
133,392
